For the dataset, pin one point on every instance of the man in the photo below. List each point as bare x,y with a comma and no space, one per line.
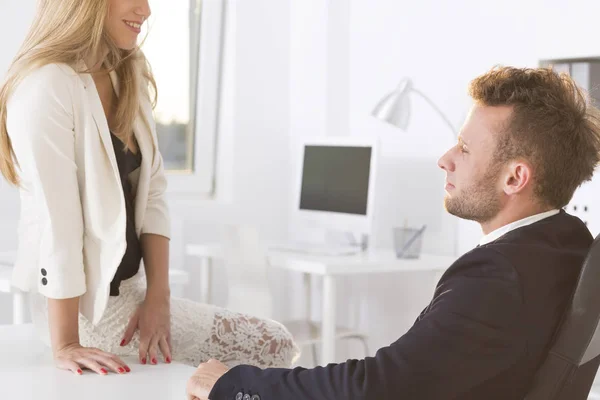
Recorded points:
530,140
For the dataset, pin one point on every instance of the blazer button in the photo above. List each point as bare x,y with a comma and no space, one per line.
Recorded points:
239,396
44,272
44,281
256,397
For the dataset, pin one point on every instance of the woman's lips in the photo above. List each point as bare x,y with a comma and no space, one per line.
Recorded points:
136,30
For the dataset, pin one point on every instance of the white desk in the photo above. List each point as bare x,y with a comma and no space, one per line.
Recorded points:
28,372
373,262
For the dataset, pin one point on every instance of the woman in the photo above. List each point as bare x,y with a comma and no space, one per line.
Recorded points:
76,121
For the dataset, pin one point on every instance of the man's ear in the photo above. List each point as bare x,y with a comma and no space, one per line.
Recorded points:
517,177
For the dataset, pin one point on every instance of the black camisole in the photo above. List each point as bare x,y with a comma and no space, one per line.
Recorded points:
128,163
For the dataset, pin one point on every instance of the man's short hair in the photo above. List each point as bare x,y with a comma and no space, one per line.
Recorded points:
553,126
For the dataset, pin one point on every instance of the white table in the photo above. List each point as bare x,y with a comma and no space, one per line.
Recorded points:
28,372
329,267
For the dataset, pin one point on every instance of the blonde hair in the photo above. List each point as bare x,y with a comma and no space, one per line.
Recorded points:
68,31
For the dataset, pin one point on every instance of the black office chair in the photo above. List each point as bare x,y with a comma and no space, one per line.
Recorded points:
571,365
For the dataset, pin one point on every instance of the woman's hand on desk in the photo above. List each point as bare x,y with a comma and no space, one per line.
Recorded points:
68,353
153,319
74,357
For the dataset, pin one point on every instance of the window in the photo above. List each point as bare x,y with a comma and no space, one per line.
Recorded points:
183,47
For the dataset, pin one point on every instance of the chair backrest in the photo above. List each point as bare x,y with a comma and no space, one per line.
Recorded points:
571,365
245,259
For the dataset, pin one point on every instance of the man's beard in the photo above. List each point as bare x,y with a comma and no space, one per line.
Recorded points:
478,202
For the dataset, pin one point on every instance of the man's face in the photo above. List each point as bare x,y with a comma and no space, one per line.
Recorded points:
473,178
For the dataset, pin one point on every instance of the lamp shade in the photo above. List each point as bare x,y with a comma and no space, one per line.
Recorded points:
394,108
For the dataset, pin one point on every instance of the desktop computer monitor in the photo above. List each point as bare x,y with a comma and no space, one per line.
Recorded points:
335,184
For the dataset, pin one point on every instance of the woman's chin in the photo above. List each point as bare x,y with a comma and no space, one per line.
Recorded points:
126,45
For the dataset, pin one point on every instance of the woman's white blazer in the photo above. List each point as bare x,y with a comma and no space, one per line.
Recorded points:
72,218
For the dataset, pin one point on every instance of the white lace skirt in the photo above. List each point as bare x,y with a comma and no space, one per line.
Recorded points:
199,332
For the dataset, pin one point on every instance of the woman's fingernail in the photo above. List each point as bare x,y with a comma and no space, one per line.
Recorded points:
103,371
122,342
154,361
80,372
168,360
127,369
144,360
121,370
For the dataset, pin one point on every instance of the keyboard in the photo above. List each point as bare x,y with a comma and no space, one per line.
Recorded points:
315,248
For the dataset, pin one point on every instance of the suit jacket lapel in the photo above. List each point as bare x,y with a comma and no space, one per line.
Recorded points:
100,120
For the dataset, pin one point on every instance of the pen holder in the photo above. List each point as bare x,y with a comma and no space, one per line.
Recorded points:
407,242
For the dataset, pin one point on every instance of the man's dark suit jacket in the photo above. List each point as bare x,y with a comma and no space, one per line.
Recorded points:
482,337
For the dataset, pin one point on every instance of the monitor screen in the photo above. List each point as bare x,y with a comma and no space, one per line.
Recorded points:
335,179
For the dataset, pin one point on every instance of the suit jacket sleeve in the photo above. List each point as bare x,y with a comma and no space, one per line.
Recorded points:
469,333
41,128
156,219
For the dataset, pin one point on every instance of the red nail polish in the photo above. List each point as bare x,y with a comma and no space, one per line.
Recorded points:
103,371
154,361
127,369
80,372
122,342
168,360
144,360
121,370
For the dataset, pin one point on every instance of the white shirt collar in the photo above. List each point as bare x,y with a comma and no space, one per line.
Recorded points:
490,237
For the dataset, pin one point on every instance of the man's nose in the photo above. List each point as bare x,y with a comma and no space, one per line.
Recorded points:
445,162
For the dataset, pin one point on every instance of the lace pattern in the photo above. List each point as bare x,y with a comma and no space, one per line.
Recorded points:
199,332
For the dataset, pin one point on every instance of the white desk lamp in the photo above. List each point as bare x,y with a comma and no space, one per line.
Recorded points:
394,108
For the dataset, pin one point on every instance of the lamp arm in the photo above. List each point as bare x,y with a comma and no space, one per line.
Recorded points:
436,108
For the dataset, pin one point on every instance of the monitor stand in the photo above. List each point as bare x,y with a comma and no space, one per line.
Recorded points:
345,238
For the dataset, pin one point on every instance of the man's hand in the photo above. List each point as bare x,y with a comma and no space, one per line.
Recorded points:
201,383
